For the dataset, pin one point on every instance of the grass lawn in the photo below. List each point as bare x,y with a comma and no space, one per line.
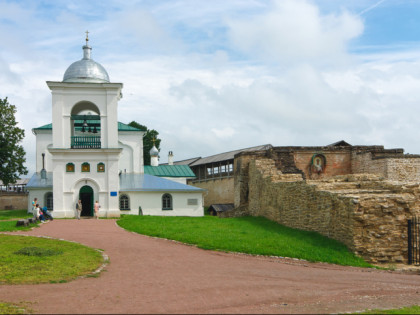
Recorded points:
251,235
7,308
14,214
25,259
404,310
8,220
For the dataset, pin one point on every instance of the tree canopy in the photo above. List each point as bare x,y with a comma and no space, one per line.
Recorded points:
147,140
12,155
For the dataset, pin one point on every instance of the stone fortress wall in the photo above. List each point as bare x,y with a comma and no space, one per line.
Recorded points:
363,196
13,201
218,190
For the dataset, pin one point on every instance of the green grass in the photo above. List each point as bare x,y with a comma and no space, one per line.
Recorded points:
251,235
404,310
7,308
25,259
11,216
10,226
14,214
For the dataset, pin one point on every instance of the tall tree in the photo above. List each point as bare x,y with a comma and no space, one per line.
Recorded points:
150,136
12,155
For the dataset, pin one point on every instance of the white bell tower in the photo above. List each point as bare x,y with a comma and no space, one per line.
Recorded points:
85,136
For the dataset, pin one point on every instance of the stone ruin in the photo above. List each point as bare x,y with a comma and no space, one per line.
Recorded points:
361,196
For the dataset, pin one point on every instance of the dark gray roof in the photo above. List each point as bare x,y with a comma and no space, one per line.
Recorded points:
37,182
228,155
340,143
22,181
222,207
184,162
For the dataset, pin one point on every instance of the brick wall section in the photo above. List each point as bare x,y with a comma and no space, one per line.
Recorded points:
218,191
11,201
365,212
338,163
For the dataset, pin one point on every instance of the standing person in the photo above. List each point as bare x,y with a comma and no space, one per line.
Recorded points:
96,207
34,205
79,208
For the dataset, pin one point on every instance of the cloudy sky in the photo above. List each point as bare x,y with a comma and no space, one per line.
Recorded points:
213,75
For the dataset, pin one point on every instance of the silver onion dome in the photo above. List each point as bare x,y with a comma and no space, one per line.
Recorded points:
153,151
86,69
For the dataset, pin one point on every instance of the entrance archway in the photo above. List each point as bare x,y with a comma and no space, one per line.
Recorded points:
86,196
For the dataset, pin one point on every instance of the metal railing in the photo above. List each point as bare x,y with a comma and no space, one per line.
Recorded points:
413,241
86,142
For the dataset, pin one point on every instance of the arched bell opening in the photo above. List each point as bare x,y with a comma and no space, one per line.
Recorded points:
86,126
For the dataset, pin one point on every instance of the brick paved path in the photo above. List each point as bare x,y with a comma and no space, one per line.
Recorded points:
149,275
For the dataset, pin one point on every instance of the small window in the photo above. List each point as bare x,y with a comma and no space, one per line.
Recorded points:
101,167
124,202
192,202
70,168
48,200
85,167
166,202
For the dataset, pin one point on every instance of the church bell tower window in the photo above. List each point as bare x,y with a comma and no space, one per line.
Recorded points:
101,167
85,167
70,168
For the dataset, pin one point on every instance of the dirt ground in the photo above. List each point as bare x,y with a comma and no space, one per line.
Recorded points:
150,275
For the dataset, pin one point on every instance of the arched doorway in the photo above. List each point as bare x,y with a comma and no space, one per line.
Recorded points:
86,196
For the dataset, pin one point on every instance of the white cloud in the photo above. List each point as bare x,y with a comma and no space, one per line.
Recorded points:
295,31
182,78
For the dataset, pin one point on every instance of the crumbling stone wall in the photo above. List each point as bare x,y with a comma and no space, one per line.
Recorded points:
406,169
364,211
391,164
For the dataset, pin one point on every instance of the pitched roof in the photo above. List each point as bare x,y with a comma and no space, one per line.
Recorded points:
222,207
169,171
340,143
227,155
184,162
37,182
146,182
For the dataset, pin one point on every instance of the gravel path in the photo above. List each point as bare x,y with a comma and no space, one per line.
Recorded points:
150,275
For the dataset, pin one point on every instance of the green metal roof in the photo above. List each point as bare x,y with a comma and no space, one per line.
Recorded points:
124,127
121,127
45,127
169,171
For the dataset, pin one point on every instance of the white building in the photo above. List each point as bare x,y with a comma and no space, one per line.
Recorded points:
87,154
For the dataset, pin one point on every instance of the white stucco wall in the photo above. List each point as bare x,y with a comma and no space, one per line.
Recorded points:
131,158
151,204
43,140
66,185
37,193
65,96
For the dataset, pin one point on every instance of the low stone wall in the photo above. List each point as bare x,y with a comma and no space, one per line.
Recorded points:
218,190
365,212
13,201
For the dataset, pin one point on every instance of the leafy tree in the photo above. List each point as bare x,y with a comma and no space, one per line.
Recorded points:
147,140
12,155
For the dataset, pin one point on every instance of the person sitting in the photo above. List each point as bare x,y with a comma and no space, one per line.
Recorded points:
38,213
